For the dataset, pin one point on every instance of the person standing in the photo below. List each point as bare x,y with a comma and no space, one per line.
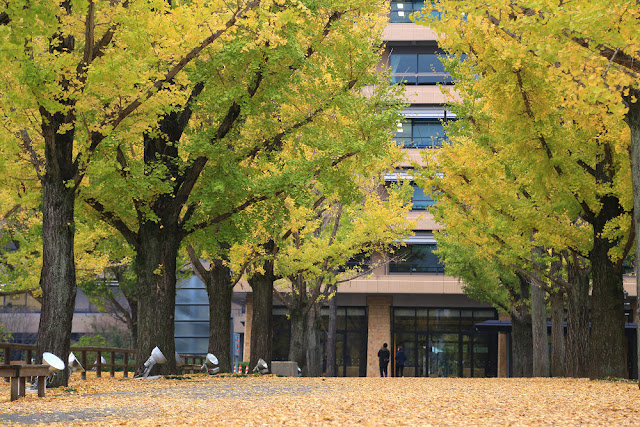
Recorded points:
383,357
401,358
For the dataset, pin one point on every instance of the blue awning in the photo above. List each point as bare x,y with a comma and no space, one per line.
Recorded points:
505,325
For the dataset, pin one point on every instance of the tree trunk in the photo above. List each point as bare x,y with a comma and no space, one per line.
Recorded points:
539,332
633,120
298,341
261,329
331,337
607,347
312,347
58,276
557,333
134,323
522,346
220,292
156,279
521,332
577,351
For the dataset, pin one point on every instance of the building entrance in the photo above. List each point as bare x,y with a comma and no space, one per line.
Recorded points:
444,342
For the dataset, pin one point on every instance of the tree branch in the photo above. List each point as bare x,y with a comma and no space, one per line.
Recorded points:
114,220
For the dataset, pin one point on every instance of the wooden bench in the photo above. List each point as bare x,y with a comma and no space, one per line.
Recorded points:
19,374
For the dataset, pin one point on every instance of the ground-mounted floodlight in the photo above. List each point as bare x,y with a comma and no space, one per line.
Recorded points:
103,361
156,357
55,365
74,364
179,361
261,367
210,364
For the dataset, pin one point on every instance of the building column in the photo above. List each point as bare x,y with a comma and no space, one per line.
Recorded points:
502,354
248,320
502,350
379,331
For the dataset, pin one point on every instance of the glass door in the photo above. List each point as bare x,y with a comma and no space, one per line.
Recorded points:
443,355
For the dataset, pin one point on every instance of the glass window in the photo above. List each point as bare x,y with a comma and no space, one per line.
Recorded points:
444,319
402,10
420,200
418,68
419,258
420,133
192,312
481,359
444,355
422,316
192,329
466,320
404,319
191,296
482,315
404,67
192,345
403,134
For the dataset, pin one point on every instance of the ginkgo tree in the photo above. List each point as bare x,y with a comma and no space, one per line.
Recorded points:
75,73
538,162
323,240
275,106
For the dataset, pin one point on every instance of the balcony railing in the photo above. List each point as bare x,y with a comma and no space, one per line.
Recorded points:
414,268
420,141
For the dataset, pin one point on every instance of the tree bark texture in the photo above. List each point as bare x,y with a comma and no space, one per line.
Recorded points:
156,279
607,347
298,341
633,120
577,350
539,332
557,333
312,346
58,276
261,326
521,332
220,293
331,337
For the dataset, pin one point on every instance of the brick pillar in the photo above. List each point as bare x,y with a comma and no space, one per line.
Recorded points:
248,320
379,331
502,355
502,349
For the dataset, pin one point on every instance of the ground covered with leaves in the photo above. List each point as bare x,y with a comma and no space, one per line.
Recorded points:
269,400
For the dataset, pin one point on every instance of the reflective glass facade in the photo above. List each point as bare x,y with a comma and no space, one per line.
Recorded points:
192,317
418,259
420,133
401,10
443,342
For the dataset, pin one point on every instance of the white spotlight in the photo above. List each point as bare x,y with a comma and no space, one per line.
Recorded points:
156,357
261,367
179,361
210,364
74,364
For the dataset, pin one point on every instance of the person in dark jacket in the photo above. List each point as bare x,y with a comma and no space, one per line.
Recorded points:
383,357
401,359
